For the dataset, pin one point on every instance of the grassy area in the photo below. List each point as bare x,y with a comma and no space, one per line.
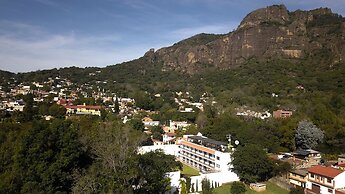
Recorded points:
189,171
270,189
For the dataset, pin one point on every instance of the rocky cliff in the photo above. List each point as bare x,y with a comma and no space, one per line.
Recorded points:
271,32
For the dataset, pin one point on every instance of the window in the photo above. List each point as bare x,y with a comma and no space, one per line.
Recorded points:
218,166
312,175
329,180
218,158
330,190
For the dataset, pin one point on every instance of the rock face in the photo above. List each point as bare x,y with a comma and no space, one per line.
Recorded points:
266,33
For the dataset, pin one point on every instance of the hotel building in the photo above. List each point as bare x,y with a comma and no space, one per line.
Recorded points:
205,154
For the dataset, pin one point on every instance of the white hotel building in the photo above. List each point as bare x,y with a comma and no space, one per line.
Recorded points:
205,154
212,158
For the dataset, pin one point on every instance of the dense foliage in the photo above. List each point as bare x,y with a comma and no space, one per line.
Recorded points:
238,188
251,164
308,135
86,155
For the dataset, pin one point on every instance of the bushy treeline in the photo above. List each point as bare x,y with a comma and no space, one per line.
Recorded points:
84,155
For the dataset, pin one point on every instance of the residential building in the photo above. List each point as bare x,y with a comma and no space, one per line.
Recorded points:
178,124
65,102
205,154
17,105
148,122
169,138
83,110
281,114
298,177
325,180
307,154
341,159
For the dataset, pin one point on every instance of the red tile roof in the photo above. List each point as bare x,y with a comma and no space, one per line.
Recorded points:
325,171
199,147
342,165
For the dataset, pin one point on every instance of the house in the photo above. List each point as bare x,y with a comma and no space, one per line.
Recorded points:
83,110
298,177
178,124
148,122
325,180
169,138
307,154
157,142
341,159
17,105
65,102
281,114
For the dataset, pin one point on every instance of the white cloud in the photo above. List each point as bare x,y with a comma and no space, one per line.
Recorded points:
44,50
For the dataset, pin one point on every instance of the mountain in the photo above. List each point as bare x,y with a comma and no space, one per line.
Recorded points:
266,33
270,44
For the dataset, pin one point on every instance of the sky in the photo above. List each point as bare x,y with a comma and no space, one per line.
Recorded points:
46,34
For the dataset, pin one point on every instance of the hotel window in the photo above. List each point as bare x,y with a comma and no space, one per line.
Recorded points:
312,175
330,190
218,158
329,180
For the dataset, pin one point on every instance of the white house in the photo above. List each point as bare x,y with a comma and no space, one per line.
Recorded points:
325,180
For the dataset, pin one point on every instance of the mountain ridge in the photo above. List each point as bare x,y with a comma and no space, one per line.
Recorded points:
271,32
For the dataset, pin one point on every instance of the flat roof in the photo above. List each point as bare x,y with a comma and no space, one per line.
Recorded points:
302,172
199,147
208,140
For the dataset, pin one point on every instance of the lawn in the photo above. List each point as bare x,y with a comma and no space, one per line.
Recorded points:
270,189
189,171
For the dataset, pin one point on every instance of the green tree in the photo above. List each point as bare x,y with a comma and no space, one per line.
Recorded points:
28,111
153,167
114,150
238,188
308,135
47,156
56,110
206,186
137,124
183,186
116,106
251,164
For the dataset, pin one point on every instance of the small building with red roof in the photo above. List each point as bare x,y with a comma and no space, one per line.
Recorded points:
325,179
